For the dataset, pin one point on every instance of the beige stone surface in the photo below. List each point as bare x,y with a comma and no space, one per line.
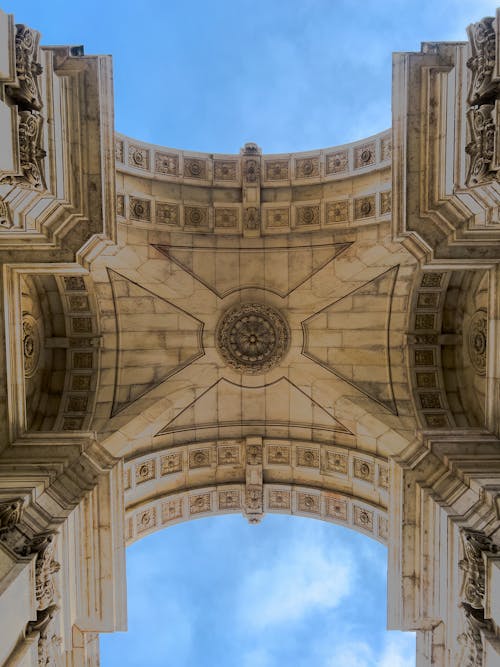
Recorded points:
189,334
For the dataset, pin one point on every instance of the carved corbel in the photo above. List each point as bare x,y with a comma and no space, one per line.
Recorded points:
26,92
482,61
11,513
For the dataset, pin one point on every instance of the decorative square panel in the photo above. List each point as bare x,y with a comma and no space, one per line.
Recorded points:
336,507
171,463
79,303
364,207
430,400
196,217
195,168
336,462
225,170
437,420
167,214
227,218
426,380
72,424
424,358
74,284
228,455
337,212
77,403
308,457
81,324
83,360
431,280
146,520
425,321
277,218
229,499
278,454
428,300
336,163
276,170
364,470
363,518
201,502
167,163
145,471
81,382
280,499
308,502
171,510
364,155
199,458
305,216
138,157
307,167
139,209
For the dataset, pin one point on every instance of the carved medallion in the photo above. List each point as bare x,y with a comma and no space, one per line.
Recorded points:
477,340
31,345
252,338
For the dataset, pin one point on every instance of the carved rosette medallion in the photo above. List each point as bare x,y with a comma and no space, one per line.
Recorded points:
252,338
477,340
31,345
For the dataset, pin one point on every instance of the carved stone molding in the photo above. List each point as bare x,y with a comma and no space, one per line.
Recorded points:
482,61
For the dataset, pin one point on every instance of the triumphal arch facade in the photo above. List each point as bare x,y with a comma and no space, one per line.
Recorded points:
185,334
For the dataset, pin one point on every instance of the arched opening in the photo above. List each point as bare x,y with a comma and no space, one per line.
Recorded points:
223,592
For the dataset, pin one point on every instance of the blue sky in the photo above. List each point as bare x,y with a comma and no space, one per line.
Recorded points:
210,75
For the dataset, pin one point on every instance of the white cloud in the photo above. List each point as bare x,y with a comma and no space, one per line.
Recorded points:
305,578
398,650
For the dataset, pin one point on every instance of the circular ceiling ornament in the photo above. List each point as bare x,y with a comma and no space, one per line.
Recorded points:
477,340
252,337
31,345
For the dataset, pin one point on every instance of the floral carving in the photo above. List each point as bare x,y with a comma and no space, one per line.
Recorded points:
276,170
167,163
480,148
31,345
26,92
477,340
30,152
252,338
307,215
482,61
307,167
336,163
252,171
225,170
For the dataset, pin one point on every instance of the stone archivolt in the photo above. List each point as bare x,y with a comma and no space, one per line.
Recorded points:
188,334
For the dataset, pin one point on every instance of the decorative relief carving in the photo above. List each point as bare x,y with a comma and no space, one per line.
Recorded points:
280,499
251,220
83,360
437,420
426,380
77,403
431,279
171,463
482,61
46,566
167,163
386,149
385,202
307,167
140,209
337,163
31,153
253,497
74,284
308,457
201,502
167,214
146,520
81,382
195,168
199,458
336,507
307,215
364,207
26,92
477,340
254,494
225,170
171,510
145,471
5,216
196,217
252,338
481,147
364,155
11,513
31,345
337,211
425,321
308,502
278,454
229,499
476,546
81,325
336,462
383,528
428,300
430,401
228,455
276,170
364,470
119,150
251,171
254,454
79,303
277,217
227,218
363,518
424,357
138,157
383,476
